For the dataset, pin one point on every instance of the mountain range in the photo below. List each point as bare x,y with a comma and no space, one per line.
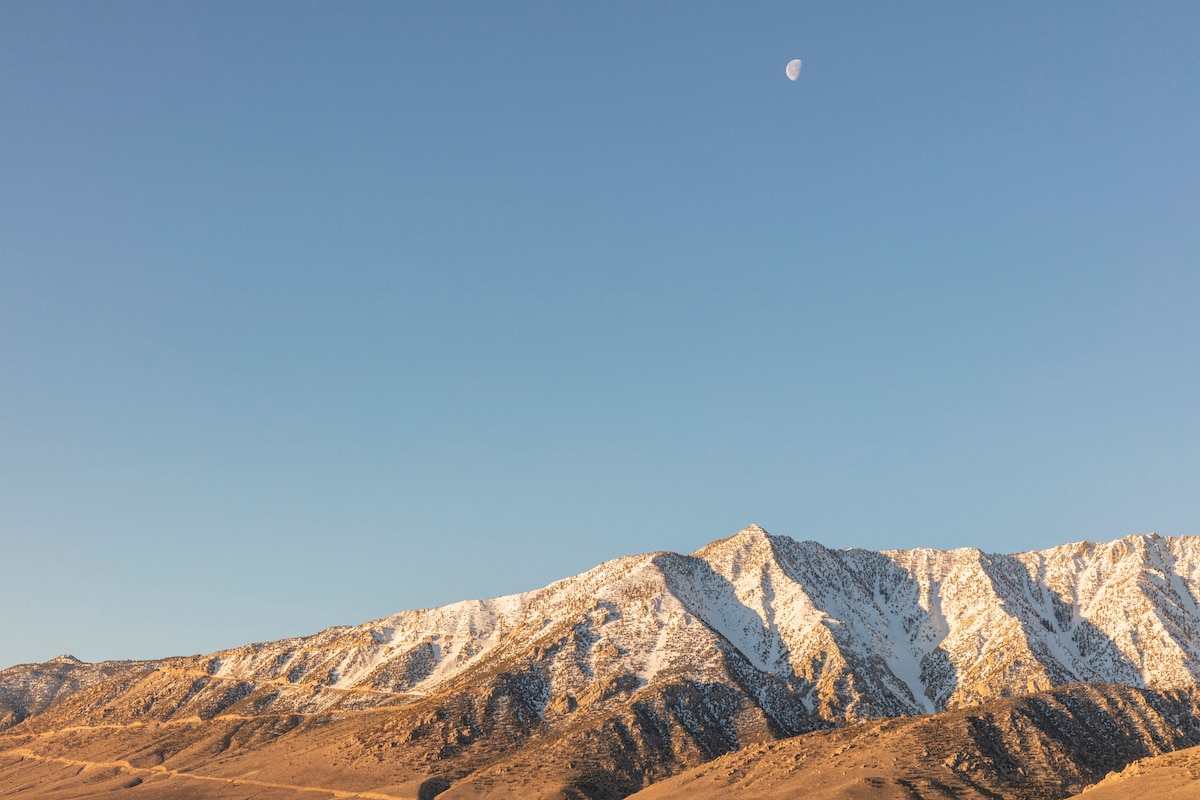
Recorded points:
648,670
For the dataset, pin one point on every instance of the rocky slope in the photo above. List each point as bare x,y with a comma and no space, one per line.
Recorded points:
1048,745
602,683
29,689
1171,776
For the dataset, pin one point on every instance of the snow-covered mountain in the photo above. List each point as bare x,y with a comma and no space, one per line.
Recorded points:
839,635
749,638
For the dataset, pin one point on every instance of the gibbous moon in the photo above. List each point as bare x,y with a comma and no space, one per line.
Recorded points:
793,69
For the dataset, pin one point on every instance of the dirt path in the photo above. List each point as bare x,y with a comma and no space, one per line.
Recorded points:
125,766
283,681
193,719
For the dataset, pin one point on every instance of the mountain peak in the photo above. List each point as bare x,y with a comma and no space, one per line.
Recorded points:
748,538
751,532
65,658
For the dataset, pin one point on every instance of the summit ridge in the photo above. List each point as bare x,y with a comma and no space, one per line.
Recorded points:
919,630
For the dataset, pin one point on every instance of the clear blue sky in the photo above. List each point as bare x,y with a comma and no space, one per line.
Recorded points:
314,312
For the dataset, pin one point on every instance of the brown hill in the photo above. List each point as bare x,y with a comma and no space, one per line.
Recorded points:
1173,776
1048,745
488,734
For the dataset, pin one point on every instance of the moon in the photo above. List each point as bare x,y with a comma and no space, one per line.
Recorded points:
793,69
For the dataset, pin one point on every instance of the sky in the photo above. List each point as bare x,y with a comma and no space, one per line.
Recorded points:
314,312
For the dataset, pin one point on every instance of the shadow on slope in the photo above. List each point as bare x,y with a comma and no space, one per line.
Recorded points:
753,645
1048,745
1070,648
